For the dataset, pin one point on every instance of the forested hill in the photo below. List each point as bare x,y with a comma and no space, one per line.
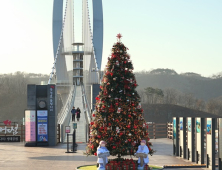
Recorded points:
204,88
13,94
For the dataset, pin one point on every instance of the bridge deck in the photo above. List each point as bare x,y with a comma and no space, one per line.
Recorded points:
81,124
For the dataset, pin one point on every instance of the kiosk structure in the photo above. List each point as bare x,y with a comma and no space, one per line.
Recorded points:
40,116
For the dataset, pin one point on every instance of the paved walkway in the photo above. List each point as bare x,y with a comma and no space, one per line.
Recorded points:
14,156
164,155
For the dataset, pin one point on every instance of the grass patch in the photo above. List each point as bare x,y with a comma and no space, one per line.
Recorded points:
93,167
88,167
155,167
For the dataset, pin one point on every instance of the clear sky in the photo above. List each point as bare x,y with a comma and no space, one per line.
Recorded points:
184,35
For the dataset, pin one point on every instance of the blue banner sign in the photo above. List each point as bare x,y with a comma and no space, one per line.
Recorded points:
74,125
42,125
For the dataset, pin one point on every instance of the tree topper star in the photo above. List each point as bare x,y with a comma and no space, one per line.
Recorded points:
119,36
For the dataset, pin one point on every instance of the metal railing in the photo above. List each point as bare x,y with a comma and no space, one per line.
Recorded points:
73,48
157,130
169,130
86,104
87,111
62,115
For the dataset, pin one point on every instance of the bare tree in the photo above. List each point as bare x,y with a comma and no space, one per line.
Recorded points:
212,106
199,105
154,95
142,95
170,96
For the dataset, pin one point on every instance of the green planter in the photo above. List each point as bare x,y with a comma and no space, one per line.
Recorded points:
94,167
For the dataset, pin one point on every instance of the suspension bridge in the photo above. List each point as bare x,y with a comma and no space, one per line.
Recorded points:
77,65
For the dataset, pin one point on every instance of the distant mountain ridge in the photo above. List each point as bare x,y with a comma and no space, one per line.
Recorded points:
163,113
201,87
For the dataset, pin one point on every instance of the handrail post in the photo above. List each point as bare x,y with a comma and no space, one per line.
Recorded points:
67,143
21,133
154,130
167,130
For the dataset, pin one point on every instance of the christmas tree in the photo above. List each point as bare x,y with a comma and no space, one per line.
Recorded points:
117,118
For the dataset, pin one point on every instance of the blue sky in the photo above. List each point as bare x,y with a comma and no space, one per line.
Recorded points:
184,35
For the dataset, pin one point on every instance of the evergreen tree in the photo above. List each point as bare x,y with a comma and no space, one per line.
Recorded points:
117,118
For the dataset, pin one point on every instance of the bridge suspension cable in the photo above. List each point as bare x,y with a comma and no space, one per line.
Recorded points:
53,73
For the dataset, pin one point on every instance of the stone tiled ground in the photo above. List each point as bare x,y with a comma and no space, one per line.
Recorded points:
14,156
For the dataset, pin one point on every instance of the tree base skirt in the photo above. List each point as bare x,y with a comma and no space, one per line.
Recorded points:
94,167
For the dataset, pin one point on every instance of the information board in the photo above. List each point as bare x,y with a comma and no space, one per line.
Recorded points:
67,129
210,148
220,143
42,125
175,136
9,138
198,139
181,136
220,138
74,125
30,126
189,138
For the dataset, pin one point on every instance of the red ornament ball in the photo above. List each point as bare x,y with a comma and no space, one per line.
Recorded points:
95,154
93,115
92,123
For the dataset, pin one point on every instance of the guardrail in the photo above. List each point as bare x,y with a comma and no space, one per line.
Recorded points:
58,133
64,120
157,130
169,130
86,105
67,106
86,111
